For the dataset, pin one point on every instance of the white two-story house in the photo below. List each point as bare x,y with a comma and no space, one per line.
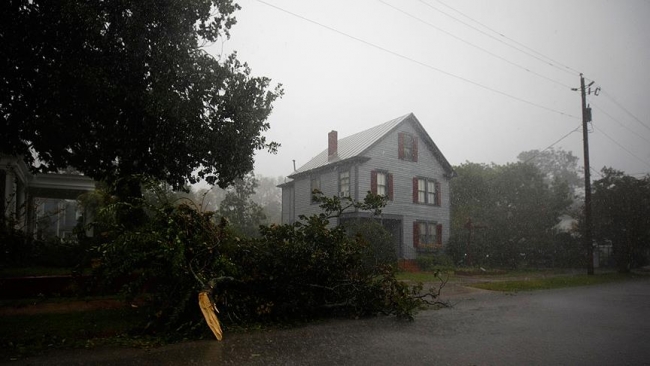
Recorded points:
397,159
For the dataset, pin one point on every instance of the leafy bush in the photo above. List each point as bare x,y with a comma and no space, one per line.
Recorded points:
380,248
437,261
20,249
58,252
15,246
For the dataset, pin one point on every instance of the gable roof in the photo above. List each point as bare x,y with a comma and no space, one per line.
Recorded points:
354,146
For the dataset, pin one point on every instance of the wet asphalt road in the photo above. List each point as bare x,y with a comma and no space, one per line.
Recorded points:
597,325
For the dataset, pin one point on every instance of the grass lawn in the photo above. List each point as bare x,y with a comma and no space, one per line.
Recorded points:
531,282
519,280
420,276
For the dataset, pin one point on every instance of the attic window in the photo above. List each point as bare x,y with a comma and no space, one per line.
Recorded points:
407,146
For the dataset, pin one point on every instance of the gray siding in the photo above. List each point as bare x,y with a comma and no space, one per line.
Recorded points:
384,156
329,185
288,209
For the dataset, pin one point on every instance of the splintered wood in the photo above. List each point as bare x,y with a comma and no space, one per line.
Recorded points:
209,310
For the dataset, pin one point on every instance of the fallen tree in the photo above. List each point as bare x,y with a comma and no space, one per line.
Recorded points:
300,271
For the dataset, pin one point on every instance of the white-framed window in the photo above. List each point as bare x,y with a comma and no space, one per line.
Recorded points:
314,186
427,235
431,192
344,183
422,190
426,191
382,183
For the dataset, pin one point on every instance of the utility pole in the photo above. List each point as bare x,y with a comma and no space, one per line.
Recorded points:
586,118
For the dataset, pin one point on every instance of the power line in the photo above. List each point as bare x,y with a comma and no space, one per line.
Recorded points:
622,147
416,61
625,109
553,144
547,60
472,44
622,125
597,172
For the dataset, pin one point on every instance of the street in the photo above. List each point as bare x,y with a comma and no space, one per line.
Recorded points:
596,325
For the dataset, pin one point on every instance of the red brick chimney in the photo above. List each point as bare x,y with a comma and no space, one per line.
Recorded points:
332,144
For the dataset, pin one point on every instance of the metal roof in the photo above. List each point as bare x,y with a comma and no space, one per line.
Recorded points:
354,145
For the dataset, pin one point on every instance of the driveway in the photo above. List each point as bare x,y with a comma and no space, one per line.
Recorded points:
596,325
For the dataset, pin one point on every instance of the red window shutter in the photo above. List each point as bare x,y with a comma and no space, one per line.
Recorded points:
416,234
390,186
415,190
400,145
373,182
438,195
439,234
415,148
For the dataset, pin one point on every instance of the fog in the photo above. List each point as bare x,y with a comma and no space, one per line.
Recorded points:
487,80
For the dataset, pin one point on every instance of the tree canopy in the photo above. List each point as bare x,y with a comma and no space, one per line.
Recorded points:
514,212
556,165
238,207
115,88
621,205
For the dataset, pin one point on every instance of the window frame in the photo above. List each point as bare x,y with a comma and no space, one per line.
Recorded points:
407,142
382,183
432,235
312,189
374,183
423,194
341,184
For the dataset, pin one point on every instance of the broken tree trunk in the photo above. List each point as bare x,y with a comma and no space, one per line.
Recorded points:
209,310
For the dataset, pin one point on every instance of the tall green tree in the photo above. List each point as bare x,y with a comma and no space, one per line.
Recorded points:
515,210
238,207
621,212
116,88
557,165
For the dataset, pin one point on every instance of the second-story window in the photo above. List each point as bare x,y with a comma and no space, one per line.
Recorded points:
381,183
426,191
344,184
315,187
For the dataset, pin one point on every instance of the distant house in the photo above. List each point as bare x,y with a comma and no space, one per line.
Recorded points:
397,159
41,204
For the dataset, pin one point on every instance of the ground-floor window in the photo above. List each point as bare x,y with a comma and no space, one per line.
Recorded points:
427,235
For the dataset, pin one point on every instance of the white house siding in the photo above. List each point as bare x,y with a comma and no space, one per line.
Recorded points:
384,156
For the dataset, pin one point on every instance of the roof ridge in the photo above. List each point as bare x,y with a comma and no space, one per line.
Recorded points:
353,145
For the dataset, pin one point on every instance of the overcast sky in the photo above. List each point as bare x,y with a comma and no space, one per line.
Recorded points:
482,96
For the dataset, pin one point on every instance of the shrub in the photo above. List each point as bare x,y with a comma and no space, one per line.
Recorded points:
380,244
436,261
15,246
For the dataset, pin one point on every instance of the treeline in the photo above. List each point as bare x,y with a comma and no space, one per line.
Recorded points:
249,202
531,213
